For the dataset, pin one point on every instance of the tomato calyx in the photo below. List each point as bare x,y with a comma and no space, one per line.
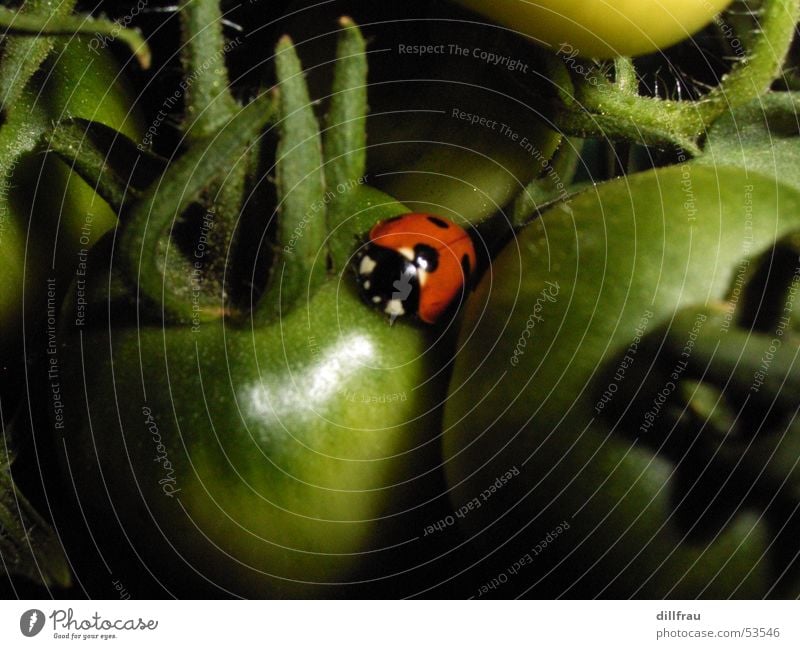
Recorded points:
323,200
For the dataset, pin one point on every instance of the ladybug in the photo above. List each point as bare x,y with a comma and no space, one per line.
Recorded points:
415,264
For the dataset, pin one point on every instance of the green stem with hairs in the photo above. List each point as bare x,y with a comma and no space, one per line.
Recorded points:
599,109
209,105
208,100
345,138
300,252
752,76
17,22
345,135
23,55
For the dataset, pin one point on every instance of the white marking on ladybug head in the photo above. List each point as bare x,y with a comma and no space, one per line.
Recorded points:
408,253
367,265
422,277
394,308
366,284
376,299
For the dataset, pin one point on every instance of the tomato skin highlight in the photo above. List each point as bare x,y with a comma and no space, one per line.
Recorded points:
600,28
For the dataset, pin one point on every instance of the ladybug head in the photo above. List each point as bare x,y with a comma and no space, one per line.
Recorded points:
388,280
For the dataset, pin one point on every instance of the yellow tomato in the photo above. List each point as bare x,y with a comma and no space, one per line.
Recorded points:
602,28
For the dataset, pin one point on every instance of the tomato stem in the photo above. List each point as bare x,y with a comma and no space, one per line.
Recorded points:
616,115
591,107
753,75
23,55
555,182
45,24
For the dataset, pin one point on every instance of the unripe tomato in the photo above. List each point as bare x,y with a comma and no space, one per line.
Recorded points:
554,340
599,28
262,461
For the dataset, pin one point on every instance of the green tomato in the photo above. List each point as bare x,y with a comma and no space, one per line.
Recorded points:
596,28
574,500
468,163
50,213
268,450
271,461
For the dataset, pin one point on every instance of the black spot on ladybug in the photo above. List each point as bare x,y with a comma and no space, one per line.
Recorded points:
391,219
426,257
439,223
465,266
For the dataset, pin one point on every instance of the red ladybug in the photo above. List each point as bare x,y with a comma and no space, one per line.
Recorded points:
415,264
